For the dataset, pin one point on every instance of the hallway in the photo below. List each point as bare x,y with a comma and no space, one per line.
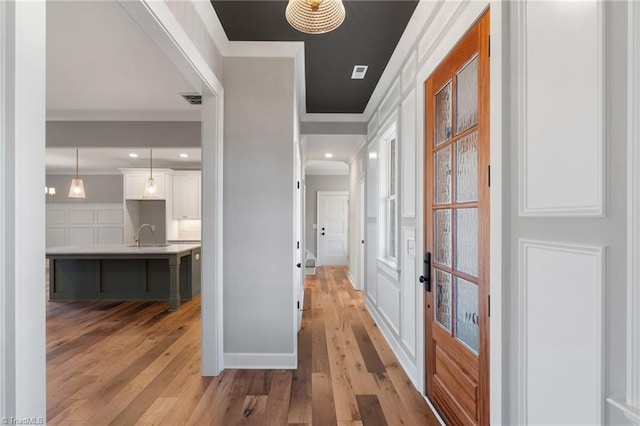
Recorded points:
137,363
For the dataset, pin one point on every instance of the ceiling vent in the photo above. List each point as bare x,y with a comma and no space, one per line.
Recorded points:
192,98
359,71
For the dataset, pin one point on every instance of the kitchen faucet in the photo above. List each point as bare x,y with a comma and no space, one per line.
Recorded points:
136,237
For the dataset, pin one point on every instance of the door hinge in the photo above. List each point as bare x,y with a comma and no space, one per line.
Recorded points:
298,304
489,176
298,245
298,184
489,305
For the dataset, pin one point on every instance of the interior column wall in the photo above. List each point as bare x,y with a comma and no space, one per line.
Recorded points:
22,153
259,243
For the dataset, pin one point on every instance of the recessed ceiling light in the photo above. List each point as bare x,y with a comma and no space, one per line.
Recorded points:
328,155
133,155
359,72
373,155
184,155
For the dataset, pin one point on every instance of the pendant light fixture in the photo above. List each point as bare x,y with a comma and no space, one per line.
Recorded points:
315,16
77,187
150,189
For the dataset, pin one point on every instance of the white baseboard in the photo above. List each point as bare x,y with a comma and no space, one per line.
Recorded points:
261,361
352,280
405,360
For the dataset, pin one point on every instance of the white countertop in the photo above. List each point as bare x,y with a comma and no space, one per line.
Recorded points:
121,249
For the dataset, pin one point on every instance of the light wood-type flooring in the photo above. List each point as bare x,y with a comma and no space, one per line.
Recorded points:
136,363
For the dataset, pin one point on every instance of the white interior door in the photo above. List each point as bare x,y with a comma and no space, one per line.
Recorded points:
333,220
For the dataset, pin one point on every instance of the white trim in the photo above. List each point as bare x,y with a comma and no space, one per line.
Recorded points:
352,280
632,413
594,210
3,203
157,20
598,254
390,336
633,219
498,249
261,361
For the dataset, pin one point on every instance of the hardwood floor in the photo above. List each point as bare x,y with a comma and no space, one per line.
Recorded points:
136,363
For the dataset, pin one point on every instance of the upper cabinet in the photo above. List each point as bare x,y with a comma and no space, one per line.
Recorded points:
186,194
135,181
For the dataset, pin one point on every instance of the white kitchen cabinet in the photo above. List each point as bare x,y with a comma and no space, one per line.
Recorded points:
186,195
135,182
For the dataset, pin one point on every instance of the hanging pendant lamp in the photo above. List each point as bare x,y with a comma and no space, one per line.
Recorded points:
150,189
315,16
77,186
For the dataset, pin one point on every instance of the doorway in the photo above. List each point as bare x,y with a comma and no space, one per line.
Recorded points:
333,232
457,230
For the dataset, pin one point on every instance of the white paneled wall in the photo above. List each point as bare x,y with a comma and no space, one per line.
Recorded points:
408,155
561,123
372,270
84,224
389,301
561,333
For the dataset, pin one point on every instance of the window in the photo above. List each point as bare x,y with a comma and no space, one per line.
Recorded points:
389,195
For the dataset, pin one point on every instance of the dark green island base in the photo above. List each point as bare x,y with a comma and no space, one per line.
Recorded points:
122,273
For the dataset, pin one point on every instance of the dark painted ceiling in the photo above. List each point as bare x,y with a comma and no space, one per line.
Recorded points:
368,36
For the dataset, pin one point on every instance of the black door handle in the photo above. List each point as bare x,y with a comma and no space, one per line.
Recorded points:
299,265
362,241
426,275
322,233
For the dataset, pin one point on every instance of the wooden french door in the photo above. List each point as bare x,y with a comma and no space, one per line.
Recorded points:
457,230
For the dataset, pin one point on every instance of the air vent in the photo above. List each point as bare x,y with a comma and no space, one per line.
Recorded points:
192,98
359,71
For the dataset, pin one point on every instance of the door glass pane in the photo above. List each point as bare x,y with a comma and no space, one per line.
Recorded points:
467,313
442,166
443,114
442,232
467,241
467,96
443,298
467,168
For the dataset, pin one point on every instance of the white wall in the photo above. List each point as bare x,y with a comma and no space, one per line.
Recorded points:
258,213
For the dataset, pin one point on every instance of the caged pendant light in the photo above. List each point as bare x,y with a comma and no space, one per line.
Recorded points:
315,16
150,189
77,186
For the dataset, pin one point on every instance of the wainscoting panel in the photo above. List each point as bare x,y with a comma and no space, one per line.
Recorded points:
560,122
80,236
84,224
410,290
389,301
561,307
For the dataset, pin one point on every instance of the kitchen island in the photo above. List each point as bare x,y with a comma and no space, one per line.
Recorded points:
123,273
